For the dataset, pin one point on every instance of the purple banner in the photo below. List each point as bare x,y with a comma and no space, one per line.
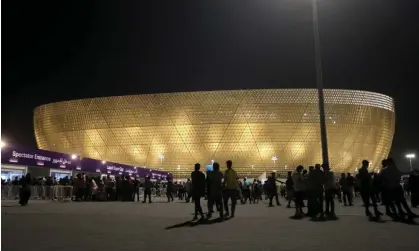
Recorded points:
98,166
36,157
111,168
42,158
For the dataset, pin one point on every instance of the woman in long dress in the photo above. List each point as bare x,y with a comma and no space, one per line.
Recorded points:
25,190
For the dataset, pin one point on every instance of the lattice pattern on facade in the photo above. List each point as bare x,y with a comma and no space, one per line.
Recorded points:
173,131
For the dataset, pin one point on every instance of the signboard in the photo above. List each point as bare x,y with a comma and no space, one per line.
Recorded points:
35,157
48,159
111,168
159,175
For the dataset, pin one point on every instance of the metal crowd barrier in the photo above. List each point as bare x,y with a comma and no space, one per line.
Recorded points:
157,194
57,193
63,193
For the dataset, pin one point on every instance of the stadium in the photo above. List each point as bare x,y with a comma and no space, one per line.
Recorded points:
260,130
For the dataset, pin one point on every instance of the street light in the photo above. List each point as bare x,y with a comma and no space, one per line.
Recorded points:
319,81
73,156
3,144
410,156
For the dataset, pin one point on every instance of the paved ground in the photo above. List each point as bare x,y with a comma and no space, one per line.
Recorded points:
107,226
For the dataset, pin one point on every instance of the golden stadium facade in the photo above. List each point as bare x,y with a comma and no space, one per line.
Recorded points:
259,130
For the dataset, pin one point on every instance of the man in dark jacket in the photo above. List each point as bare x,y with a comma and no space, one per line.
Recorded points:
289,185
25,190
198,190
272,189
386,193
311,198
366,189
136,187
414,187
215,193
391,177
317,181
148,185
169,190
350,182
347,198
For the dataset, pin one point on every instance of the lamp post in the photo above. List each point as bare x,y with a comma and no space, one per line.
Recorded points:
319,81
178,172
161,156
410,156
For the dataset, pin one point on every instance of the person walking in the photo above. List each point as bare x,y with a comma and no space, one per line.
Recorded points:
215,191
246,192
136,192
188,188
198,190
25,190
148,185
169,190
352,187
386,198
391,178
318,179
231,186
299,188
345,190
273,189
366,190
330,191
311,198
414,187
289,186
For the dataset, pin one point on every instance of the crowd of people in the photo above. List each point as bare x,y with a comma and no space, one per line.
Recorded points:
107,188
317,185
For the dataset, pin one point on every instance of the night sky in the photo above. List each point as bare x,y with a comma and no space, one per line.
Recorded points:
55,51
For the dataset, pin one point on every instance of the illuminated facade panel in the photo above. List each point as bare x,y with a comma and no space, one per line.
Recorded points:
173,131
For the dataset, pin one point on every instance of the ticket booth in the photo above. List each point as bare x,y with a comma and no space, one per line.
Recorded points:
104,175
60,174
10,172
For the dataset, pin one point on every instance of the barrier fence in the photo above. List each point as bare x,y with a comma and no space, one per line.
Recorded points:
39,192
62,193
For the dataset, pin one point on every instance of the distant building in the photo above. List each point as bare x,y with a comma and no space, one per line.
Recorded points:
259,130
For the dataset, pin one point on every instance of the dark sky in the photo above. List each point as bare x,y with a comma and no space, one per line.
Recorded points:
60,51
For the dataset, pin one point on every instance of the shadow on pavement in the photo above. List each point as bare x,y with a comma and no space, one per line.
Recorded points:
196,223
324,219
408,222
